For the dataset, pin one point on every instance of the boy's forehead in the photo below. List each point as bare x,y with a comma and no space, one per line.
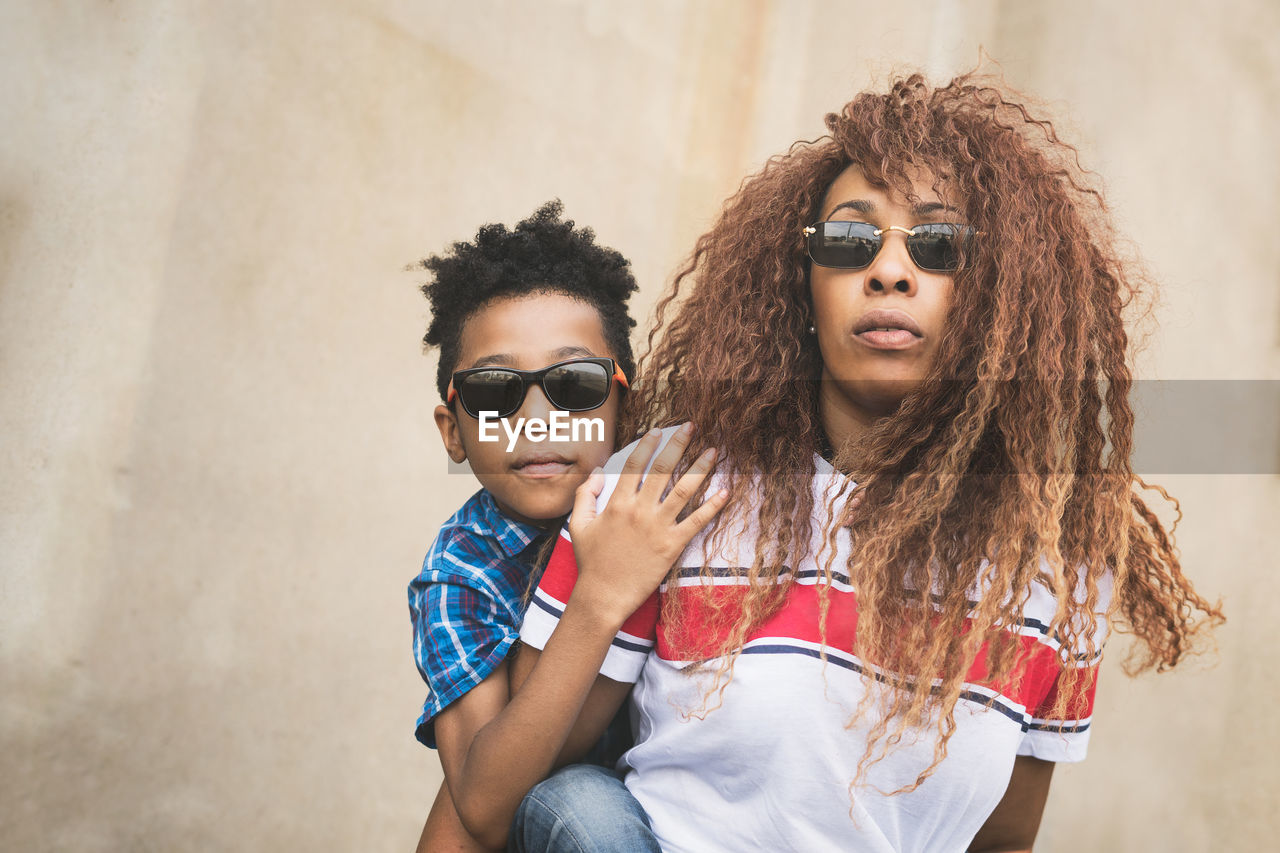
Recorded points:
531,331
521,360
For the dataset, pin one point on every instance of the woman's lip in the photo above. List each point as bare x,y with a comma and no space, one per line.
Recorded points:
888,339
887,318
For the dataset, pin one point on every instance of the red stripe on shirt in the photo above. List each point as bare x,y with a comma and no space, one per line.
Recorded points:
562,573
709,616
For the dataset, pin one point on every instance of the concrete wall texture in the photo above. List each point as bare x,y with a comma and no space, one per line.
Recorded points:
219,467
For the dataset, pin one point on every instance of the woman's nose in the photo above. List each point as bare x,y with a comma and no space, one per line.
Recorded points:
892,270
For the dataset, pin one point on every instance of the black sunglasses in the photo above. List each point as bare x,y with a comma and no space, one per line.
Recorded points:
935,246
576,385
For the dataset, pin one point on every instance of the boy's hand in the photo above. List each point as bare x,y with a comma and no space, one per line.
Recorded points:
624,552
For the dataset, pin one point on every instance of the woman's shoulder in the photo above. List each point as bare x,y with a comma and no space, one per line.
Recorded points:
620,457
1089,600
830,487
613,467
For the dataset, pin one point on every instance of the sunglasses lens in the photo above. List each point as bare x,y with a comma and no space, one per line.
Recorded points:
846,245
577,386
937,247
498,391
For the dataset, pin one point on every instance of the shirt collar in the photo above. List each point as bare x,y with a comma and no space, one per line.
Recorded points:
513,536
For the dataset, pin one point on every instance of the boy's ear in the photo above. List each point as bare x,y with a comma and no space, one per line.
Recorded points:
450,434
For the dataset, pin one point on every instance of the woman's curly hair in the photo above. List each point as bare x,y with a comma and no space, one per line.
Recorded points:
543,254
1009,466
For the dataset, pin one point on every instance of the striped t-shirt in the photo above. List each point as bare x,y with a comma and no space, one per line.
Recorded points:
769,767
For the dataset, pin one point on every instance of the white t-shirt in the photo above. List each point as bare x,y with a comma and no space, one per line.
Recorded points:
770,768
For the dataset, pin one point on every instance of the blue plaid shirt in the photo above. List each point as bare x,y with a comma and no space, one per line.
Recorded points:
466,603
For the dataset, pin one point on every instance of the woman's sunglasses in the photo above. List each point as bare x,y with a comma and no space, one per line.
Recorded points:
936,246
576,385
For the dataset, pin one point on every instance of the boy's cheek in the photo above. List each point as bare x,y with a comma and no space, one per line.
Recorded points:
532,501
532,498
595,457
536,499
542,503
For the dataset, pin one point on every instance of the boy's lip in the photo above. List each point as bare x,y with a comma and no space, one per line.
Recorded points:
540,463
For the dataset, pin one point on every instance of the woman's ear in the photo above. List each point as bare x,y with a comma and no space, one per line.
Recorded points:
447,423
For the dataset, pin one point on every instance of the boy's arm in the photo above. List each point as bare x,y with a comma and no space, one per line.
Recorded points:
444,832
493,751
602,703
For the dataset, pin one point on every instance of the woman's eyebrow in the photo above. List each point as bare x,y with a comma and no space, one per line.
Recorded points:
859,205
919,209
929,208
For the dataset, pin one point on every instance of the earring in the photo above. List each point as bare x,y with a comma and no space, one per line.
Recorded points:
812,330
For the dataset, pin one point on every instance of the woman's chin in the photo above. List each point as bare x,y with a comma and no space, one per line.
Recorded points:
879,397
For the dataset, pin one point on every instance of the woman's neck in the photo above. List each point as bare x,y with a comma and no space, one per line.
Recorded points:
843,421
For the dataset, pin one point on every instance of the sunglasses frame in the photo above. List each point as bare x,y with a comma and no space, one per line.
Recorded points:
962,232
528,378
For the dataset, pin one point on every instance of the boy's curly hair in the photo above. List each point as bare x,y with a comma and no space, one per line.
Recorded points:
544,254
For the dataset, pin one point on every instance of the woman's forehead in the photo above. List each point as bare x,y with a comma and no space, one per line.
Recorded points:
930,194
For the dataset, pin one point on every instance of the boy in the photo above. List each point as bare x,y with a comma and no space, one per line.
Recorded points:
532,324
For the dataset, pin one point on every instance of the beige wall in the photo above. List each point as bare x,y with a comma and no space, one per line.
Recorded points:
219,467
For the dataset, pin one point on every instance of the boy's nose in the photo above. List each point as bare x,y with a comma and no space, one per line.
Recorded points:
536,405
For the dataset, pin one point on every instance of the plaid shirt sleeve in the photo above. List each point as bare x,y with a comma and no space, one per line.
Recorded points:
459,639
465,620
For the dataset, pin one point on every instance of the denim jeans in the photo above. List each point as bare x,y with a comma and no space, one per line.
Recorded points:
583,808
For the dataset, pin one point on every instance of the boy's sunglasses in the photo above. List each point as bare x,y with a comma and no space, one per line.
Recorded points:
576,385
935,247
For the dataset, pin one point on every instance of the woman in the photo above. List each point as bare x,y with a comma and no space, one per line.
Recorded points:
906,343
